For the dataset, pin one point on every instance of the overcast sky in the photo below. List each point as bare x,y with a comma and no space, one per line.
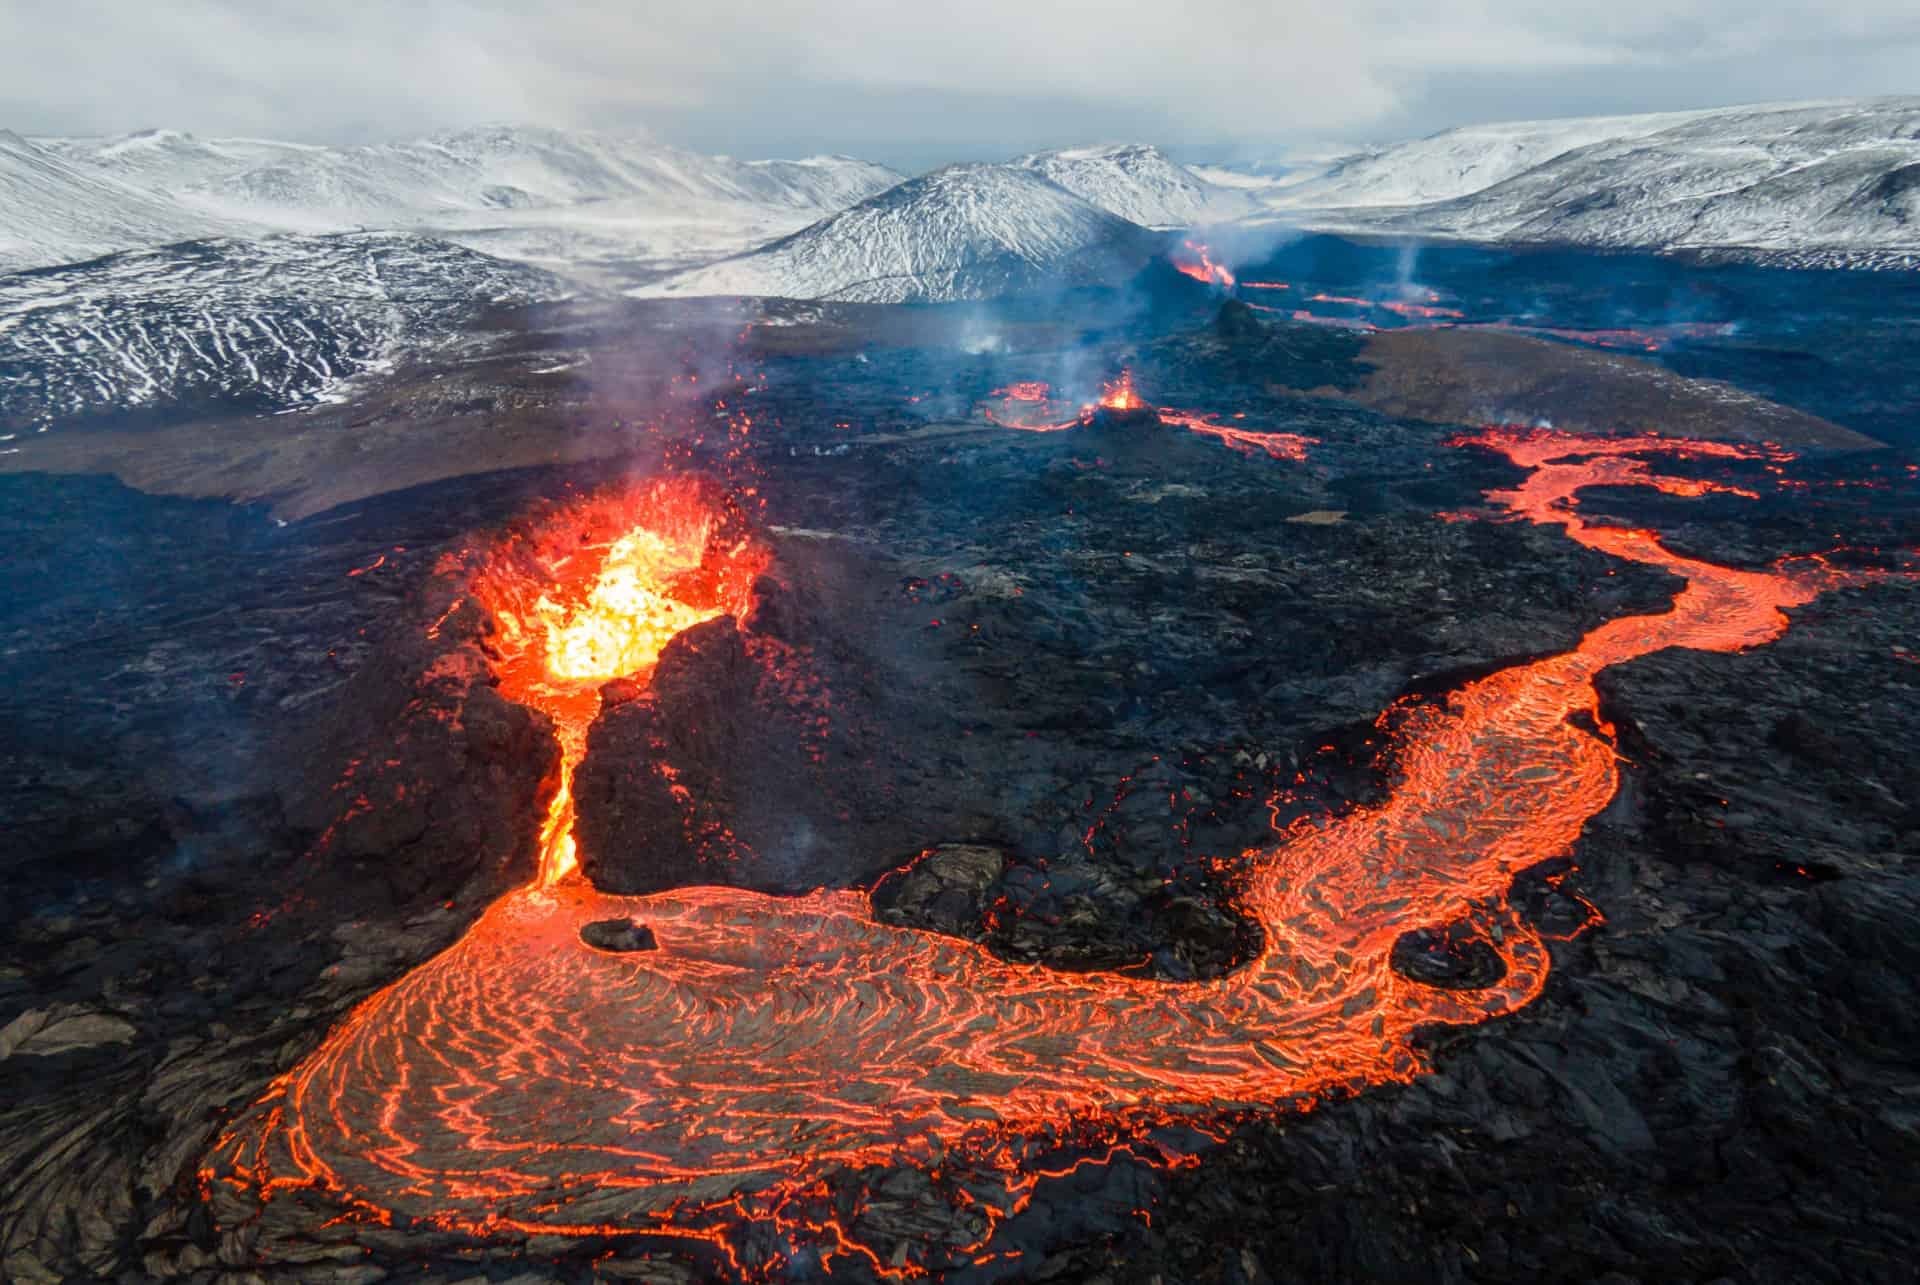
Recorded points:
915,82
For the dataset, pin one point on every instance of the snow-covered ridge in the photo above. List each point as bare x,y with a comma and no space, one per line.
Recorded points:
1833,176
963,232
1140,184
1457,162
502,168
53,210
242,324
546,195
169,160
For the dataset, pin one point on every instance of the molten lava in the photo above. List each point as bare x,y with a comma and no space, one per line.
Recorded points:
1031,407
1119,394
595,594
1420,311
1247,441
1198,263
523,1082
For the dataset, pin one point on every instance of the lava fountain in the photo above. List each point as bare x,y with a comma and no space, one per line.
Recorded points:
1195,260
1120,394
523,1082
593,594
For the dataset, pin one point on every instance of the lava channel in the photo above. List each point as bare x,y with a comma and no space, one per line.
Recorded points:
523,1082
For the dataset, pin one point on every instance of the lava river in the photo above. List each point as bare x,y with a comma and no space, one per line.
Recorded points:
524,1082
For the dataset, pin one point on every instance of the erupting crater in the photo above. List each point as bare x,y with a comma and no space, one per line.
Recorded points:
1195,259
1031,407
593,593
525,1082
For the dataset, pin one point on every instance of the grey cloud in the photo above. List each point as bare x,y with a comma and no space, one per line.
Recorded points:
985,78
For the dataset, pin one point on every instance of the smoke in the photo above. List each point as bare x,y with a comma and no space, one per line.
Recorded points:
1238,245
1409,256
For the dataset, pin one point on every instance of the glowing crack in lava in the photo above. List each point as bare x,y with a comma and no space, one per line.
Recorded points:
1031,407
523,1082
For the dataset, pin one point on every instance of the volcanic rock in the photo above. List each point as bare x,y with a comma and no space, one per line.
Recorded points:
618,935
61,1029
944,890
1457,375
1236,320
781,757
454,794
1454,956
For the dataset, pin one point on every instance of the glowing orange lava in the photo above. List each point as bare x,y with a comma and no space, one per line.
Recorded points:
1423,311
524,1082
1120,394
1247,441
1198,264
1031,407
593,595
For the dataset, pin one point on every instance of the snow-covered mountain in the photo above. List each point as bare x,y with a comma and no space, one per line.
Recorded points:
168,160
1140,184
1793,178
55,211
963,232
606,205
1457,162
245,324
1772,177
518,168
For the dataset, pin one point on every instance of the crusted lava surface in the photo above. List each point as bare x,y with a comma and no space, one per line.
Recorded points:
1032,693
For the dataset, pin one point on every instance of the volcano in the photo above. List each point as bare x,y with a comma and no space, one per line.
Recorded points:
391,1125
1155,796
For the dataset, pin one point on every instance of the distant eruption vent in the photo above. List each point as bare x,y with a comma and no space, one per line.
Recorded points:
1194,259
1119,394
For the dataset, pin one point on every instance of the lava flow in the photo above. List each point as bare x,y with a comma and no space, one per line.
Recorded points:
1418,311
1031,407
523,1082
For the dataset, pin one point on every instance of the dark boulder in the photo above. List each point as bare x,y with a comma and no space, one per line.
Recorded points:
618,935
1237,320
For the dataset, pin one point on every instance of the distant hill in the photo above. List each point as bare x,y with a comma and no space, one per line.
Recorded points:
964,232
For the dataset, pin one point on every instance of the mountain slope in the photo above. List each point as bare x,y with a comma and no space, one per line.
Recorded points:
168,160
53,211
1839,176
256,325
963,232
1457,162
610,207
515,168
1765,177
1140,184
